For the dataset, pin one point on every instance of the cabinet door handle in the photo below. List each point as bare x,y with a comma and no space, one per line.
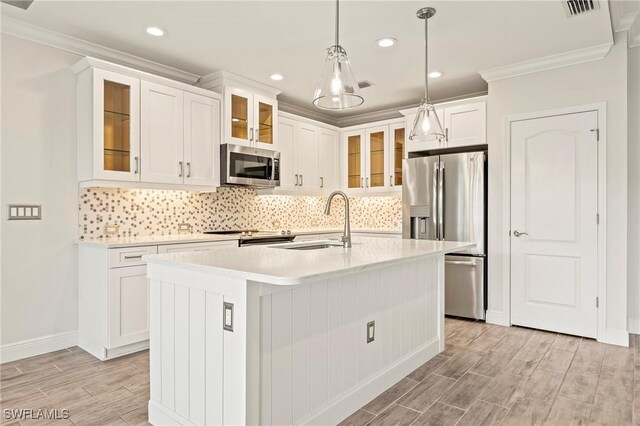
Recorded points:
139,256
181,166
296,180
251,134
361,182
301,180
446,134
188,169
390,180
136,169
321,182
367,181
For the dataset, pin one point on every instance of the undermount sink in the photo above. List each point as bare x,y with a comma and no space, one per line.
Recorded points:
312,245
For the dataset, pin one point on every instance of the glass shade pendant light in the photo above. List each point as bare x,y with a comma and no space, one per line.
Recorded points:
338,88
426,126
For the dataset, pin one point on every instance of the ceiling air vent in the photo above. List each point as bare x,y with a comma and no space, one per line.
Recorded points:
578,7
364,84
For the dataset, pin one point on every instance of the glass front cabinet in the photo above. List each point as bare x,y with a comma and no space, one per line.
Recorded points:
250,119
116,117
372,158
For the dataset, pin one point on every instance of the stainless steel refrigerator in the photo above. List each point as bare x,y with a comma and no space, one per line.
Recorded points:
444,198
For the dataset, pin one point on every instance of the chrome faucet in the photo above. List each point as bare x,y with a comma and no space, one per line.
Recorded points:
346,238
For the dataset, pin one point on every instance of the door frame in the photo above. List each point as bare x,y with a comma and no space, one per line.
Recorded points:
601,109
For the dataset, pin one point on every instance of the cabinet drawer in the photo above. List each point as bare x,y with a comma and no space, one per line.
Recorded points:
217,245
129,256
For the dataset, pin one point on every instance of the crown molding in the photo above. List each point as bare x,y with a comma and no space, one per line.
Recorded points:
223,78
546,63
21,29
307,113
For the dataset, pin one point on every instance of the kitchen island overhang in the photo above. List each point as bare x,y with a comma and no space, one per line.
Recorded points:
266,335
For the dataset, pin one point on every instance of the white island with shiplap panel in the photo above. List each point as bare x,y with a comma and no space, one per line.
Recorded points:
297,352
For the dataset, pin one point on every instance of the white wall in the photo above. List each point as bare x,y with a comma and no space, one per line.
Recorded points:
39,271
633,256
591,82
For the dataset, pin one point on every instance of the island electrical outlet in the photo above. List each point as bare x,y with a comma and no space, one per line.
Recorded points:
371,331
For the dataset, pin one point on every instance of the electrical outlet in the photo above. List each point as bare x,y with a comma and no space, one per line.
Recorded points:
275,224
111,229
25,212
371,331
227,309
184,228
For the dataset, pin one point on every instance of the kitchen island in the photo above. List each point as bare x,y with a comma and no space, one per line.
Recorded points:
286,334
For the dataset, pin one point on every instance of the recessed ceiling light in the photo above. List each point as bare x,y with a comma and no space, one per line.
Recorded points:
156,31
386,42
277,77
435,74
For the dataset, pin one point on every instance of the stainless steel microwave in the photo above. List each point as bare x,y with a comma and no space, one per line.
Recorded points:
244,165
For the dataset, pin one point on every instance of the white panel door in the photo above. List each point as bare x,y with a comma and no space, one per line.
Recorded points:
353,162
161,134
553,223
286,145
201,140
238,116
328,159
465,124
128,305
265,117
307,154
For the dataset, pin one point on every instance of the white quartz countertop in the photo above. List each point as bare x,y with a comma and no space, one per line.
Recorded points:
118,242
148,240
276,265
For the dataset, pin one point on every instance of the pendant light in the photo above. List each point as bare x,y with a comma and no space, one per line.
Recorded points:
426,126
338,88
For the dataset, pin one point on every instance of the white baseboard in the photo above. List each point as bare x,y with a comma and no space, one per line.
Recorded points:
497,318
633,326
616,337
38,346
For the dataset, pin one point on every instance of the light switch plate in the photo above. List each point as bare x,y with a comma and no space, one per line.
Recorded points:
25,212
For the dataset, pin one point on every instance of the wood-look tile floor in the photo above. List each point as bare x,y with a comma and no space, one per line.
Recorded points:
487,375
492,375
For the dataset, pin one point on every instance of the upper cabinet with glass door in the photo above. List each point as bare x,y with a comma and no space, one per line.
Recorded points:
113,101
396,155
250,115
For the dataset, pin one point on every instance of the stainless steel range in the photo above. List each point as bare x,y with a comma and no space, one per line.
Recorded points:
252,237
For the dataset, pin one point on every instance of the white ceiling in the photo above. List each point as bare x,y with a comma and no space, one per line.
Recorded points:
255,39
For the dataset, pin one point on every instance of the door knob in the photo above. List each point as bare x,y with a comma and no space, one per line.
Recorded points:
518,233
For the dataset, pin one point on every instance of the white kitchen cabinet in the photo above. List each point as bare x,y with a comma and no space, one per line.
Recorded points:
201,140
308,156
366,158
463,123
113,295
250,119
143,131
287,147
108,126
328,150
128,306
161,133
397,143
250,113
179,136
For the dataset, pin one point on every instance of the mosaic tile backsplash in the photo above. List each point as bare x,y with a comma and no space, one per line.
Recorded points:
140,212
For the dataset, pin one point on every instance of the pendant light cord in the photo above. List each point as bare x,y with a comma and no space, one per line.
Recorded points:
337,22
426,58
